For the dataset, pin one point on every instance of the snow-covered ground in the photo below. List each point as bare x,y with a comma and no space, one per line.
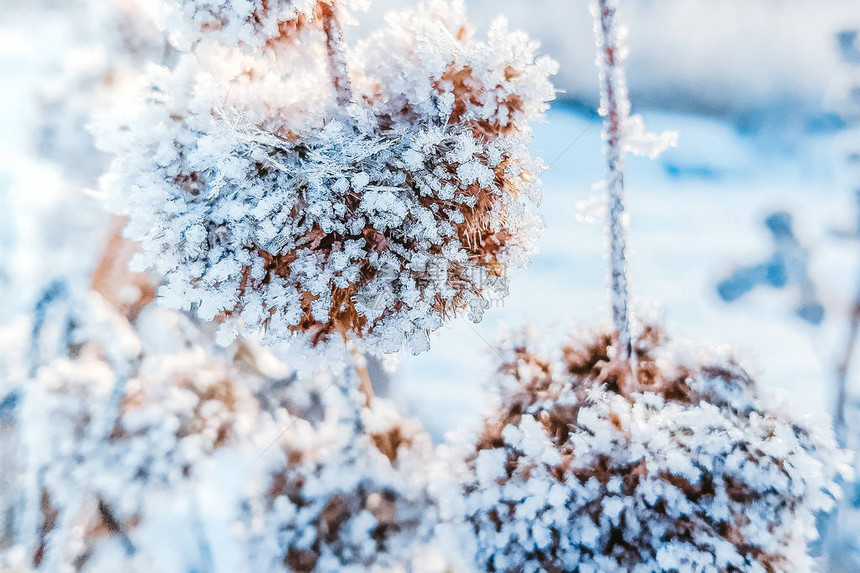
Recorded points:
695,213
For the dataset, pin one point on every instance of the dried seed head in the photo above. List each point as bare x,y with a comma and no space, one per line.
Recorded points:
268,209
340,501
679,466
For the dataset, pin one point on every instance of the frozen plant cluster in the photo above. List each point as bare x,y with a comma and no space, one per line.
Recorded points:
304,197
681,466
350,493
128,408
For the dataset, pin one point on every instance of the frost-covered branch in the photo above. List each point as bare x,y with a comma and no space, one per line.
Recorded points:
847,358
615,108
849,106
844,366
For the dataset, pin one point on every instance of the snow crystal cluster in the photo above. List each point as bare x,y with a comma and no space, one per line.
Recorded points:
51,251
131,407
269,206
681,466
350,493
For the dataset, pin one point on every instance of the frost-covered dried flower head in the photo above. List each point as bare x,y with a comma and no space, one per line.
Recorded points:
178,408
341,501
682,467
267,206
252,23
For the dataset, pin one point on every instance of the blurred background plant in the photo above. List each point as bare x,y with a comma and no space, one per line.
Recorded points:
789,268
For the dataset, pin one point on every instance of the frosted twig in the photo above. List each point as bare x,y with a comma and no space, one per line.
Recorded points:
614,108
365,384
118,337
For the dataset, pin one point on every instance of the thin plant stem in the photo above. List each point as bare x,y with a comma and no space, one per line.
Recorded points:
336,53
847,358
615,108
365,383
